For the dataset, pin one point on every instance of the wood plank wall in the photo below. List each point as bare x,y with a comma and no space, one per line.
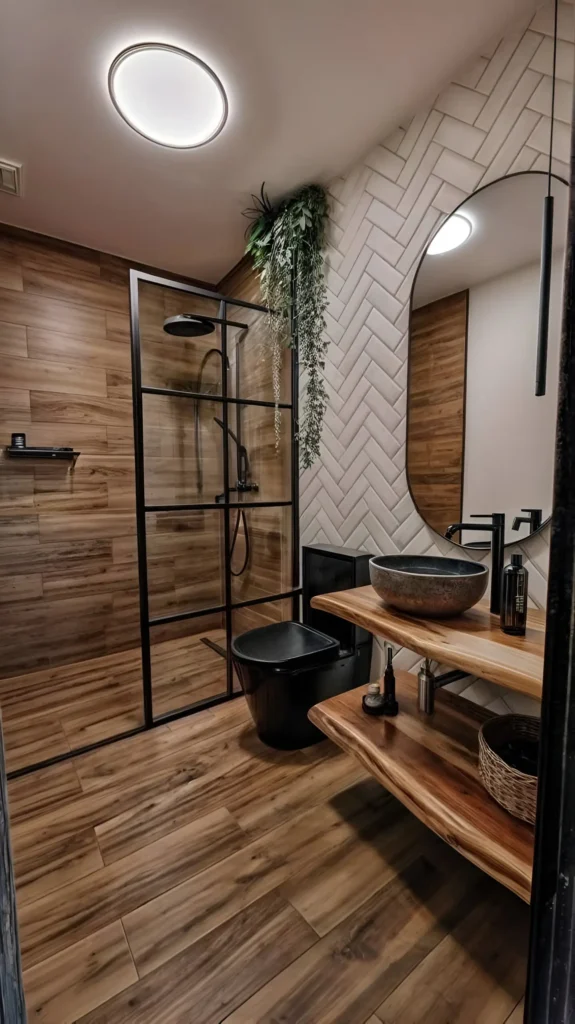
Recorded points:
436,409
68,569
12,1007
68,572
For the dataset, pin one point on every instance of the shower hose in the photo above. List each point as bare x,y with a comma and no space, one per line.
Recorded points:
240,517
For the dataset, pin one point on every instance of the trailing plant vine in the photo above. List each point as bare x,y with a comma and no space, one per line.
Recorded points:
286,243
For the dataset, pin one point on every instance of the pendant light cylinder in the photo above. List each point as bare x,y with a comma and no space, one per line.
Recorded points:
544,296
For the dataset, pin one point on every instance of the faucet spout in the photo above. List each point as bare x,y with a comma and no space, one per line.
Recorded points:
533,520
454,528
497,530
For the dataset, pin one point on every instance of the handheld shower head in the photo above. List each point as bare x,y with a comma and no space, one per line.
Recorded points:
189,325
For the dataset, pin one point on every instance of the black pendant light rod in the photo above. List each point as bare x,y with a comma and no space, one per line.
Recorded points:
544,297
546,245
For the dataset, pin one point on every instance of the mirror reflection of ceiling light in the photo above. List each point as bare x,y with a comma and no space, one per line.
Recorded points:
168,95
454,232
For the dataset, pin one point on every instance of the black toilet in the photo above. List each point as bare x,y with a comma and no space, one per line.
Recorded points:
287,667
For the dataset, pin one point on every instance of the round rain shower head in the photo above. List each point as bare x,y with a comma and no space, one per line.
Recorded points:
186,325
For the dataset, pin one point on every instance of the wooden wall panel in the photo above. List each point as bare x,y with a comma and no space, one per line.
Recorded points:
436,409
242,282
68,569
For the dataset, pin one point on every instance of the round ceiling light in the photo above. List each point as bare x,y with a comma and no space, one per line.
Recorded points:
168,95
454,232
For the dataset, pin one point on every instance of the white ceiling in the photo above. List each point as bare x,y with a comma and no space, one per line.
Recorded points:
507,227
312,84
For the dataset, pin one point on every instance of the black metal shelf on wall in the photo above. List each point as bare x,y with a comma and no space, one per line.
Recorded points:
225,505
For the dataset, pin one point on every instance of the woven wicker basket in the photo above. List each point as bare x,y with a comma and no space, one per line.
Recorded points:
514,790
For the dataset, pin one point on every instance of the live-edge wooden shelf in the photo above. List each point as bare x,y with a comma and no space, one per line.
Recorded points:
472,642
430,764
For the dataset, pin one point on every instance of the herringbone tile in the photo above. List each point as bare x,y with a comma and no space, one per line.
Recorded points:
492,120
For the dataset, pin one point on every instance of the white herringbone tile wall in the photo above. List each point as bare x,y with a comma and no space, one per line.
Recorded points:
492,121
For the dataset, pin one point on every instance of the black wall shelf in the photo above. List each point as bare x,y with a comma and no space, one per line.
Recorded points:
66,454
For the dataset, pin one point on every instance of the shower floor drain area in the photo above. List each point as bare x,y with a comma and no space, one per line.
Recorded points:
214,646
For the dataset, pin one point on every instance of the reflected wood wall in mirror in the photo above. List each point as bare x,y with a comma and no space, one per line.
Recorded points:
436,449
478,439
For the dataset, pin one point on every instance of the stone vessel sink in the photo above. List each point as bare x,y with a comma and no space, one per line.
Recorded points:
428,586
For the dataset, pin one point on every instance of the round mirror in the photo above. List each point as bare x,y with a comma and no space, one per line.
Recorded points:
478,438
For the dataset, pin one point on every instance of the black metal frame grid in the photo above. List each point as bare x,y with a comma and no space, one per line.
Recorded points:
226,506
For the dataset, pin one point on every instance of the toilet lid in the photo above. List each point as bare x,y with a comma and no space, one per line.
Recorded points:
284,645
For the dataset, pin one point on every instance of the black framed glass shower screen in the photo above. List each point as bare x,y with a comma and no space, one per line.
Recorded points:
189,609
216,501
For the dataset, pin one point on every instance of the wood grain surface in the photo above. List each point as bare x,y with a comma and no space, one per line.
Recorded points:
71,591
455,971
268,886
436,409
472,641
430,764
59,709
69,586
12,1009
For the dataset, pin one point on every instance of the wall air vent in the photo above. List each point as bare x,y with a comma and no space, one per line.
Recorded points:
10,178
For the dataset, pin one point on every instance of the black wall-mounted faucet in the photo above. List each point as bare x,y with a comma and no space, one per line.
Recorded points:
533,519
497,529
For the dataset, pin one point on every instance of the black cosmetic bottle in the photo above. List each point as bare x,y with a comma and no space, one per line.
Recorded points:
514,597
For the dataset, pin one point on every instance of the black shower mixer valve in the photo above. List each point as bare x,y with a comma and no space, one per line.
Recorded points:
243,487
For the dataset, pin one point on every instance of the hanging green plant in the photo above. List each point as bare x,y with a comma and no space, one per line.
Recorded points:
286,242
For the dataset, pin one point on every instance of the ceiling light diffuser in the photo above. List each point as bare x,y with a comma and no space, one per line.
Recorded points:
454,232
168,95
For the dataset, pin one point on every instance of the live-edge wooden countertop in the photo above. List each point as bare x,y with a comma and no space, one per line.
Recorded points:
429,762
472,642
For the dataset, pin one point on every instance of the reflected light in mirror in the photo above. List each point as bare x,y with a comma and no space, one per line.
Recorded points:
454,232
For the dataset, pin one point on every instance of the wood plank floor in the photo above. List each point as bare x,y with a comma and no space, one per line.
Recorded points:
58,710
193,876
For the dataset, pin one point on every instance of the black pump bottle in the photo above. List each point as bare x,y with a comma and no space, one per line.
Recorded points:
514,597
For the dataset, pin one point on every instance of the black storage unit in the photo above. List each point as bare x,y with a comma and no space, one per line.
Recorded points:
326,569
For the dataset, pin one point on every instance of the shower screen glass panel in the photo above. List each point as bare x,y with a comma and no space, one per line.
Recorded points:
182,363
263,550
188,662
250,358
254,459
185,561
214,492
183,460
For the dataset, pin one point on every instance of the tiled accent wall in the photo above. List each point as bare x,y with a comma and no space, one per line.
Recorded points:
493,120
